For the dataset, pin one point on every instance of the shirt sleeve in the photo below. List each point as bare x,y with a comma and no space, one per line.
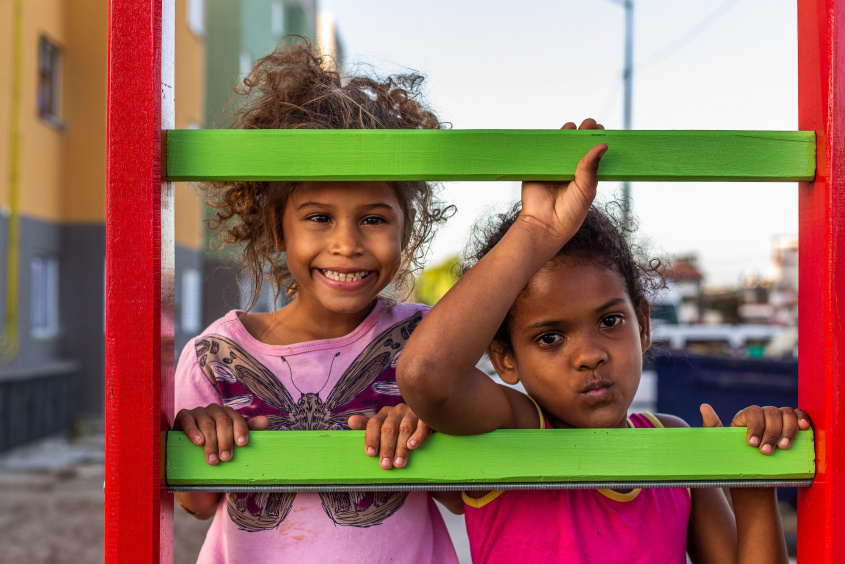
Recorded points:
193,389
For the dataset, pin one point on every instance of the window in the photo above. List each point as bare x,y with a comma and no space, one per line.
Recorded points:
49,75
196,17
45,297
191,314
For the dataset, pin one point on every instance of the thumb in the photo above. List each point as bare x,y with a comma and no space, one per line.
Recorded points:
587,170
709,417
258,423
358,422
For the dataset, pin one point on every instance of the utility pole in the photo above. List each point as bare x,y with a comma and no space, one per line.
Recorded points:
628,82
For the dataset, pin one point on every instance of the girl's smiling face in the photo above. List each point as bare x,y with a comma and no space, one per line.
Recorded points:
577,342
343,243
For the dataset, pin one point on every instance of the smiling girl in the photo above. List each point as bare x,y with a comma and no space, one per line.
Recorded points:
329,355
555,297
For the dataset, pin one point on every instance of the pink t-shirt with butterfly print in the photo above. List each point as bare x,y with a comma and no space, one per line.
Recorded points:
311,385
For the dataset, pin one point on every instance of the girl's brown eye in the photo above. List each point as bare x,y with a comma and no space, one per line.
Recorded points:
549,338
611,320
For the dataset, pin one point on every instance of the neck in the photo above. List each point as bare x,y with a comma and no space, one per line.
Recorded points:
557,423
301,321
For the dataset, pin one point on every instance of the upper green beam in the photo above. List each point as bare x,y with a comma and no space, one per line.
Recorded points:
306,458
490,154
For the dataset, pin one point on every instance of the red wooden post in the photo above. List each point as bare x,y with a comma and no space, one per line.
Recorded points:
821,101
139,283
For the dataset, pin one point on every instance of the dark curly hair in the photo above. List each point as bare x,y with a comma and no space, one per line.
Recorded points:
600,240
295,87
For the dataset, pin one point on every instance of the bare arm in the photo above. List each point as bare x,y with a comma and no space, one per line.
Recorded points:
436,370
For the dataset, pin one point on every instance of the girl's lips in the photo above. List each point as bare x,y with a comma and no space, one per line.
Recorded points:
347,286
597,392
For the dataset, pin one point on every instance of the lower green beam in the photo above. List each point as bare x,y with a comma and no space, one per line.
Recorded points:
336,458
491,154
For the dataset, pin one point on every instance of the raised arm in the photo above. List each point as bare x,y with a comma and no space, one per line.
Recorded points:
753,532
436,370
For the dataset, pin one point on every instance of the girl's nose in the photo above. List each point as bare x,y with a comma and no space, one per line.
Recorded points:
588,354
346,241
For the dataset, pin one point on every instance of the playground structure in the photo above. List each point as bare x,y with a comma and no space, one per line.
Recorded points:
140,284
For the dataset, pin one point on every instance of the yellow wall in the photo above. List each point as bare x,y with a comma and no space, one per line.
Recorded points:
85,68
63,168
40,153
189,91
6,38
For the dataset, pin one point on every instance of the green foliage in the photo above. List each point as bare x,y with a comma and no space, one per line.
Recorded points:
434,282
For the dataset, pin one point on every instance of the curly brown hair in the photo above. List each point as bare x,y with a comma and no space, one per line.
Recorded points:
602,240
295,87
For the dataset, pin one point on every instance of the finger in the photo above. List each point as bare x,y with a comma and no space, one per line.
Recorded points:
588,123
599,126
406,428
372,437
420,435
258,423
709,417
773,430
790,427
752,418
240,428
225,432
209,433
569,125
185,421
804,421
389,438
358,422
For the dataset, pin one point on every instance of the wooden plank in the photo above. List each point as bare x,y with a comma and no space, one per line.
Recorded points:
337,457
198,155
821,107
139,283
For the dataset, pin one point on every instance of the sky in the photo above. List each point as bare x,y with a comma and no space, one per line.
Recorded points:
698,64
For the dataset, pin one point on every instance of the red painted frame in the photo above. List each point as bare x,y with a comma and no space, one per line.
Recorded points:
139,295
821,88
139,290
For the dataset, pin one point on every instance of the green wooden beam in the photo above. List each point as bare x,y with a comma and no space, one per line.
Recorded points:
213,154
311,458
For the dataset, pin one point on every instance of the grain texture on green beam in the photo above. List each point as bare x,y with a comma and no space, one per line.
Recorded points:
572,455
204,155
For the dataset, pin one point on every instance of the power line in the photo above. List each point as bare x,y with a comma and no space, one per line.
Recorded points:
687,37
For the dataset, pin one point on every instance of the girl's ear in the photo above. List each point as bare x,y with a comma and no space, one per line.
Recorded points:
644,321
503,362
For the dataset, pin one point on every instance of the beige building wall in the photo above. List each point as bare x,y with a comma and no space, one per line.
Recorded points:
190,109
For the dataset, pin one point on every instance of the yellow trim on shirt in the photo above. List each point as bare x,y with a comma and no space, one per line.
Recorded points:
653,418
480,502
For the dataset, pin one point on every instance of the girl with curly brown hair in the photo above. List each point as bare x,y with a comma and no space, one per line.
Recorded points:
326,359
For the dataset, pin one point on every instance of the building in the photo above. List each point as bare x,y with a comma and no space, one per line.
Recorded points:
53,68
240,32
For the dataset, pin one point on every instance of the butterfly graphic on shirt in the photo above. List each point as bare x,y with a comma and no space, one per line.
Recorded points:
367,385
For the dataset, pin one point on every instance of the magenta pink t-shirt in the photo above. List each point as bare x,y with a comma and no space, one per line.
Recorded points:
643,526
314,385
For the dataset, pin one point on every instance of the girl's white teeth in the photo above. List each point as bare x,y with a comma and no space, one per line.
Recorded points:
344,277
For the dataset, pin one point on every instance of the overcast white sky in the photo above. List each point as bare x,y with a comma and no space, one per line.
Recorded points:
699,64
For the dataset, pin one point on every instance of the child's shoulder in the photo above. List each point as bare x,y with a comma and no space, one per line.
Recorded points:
670,421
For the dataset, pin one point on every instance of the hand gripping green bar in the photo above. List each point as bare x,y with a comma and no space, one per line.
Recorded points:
504,459
490,154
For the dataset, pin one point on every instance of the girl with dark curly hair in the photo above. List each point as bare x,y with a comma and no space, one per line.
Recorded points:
554,296
342,252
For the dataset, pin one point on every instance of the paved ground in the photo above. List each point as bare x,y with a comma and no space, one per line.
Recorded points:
51,507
